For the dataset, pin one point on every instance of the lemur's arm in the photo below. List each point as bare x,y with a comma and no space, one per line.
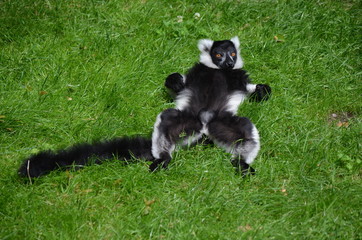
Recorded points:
258,92
175,83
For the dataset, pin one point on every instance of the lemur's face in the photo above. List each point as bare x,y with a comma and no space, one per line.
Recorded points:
220,54
223,54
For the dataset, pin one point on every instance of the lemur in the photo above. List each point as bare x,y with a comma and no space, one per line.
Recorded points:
207,99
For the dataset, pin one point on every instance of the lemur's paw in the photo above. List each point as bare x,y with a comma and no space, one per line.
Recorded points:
262,93
242,168
153,166
247,172
157,164
175,82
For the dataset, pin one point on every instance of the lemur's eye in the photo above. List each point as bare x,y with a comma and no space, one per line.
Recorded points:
218,55
233,54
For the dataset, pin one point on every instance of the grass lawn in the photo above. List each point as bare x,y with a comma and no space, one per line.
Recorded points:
80,71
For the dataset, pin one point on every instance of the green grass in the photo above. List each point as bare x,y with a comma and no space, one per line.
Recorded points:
76,71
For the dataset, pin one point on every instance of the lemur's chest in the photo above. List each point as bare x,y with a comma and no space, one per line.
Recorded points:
215,83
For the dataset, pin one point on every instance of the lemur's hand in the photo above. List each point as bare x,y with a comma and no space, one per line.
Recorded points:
262,93
175,82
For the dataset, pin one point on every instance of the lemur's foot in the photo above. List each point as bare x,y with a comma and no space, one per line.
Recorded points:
262,93
242,168
247,171
154,165
157,163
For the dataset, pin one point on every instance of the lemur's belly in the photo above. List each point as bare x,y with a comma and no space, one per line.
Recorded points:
228,102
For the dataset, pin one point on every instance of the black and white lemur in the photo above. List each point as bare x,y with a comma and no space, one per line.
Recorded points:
207,99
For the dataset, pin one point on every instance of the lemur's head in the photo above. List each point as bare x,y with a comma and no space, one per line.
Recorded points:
221,54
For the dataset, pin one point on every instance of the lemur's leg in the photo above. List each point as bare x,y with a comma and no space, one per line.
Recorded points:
175,83
172,126
258,92
238,136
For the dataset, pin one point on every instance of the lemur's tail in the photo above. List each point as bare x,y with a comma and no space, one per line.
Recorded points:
85,154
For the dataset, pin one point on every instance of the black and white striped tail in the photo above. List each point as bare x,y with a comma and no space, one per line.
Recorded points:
84,154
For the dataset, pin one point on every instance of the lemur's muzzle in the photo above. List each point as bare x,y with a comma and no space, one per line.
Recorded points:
229,64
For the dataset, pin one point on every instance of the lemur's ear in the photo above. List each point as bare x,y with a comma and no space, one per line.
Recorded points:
239,61
236,42
205,45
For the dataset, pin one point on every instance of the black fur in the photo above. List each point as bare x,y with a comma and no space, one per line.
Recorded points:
212,86
85,154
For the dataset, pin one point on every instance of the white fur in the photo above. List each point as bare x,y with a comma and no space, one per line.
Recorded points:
234,100
159,142
236,42
183,99
204,46
183,78
250,88
155,136
252,151
206,116
205,59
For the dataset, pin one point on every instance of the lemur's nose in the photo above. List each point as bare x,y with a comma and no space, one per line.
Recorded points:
230,64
